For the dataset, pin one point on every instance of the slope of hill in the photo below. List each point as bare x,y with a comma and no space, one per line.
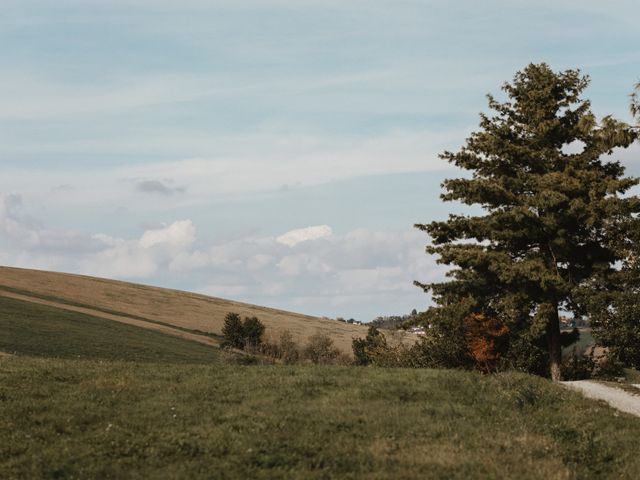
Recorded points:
28,328
187,311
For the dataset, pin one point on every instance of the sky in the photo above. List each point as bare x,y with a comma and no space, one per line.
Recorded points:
276,152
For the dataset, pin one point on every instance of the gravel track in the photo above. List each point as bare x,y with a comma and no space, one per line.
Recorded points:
616,397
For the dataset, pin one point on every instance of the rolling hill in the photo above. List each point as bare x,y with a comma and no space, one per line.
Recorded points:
183,314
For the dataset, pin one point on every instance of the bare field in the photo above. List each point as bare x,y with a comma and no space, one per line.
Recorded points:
173,307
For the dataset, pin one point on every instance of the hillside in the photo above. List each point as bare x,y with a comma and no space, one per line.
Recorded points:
31,329
155,307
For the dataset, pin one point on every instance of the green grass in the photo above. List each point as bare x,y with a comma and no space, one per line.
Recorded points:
97,419
37,330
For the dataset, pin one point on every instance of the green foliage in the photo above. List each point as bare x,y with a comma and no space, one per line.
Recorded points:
578,366
319,349
239,334
253,330
442,346
289,352
528,353
393,322
615,318
552,219
365,349
233,331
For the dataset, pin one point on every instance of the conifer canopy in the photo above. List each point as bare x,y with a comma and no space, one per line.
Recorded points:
553,203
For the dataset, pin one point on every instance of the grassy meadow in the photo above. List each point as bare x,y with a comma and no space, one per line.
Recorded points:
42,331
111,419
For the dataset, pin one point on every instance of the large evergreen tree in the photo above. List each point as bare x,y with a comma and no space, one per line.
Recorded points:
552,207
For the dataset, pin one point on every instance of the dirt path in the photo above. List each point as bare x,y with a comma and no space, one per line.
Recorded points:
616,397
117,318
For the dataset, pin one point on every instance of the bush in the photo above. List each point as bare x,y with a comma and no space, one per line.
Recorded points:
485,340
239,334
319,349
228,357
527,353
365,349
252,330
289,352
233,331
577,366
609,368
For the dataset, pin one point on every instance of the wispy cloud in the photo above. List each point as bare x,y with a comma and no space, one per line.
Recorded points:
158,187
300,235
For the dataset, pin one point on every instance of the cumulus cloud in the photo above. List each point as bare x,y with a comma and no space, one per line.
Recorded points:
179,234
300,235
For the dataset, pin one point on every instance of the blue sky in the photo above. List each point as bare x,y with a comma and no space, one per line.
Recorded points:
177,143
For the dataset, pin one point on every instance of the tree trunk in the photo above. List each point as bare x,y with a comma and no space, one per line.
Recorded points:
555,347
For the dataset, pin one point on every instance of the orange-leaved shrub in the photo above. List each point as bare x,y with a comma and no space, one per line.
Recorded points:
486,340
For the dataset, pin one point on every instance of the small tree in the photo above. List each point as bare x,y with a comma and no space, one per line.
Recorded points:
364,349
319,349
233,331
289,352
252,330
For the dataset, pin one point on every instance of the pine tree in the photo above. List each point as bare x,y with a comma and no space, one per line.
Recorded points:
233,331
252,330
552,209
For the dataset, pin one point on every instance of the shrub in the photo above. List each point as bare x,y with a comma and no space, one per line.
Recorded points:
233,331
442,346
239,334
366,349
485,340
319,349
289,352
527,353
252,330
577,366
609,368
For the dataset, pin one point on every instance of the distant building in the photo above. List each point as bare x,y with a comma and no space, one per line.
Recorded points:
417,330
